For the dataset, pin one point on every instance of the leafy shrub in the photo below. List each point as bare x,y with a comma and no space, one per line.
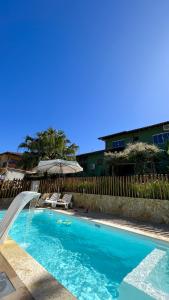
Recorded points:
157,189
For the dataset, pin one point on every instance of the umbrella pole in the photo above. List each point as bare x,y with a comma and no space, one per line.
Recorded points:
60,189
59,184
61,178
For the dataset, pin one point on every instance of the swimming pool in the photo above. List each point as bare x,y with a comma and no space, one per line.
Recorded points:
91,261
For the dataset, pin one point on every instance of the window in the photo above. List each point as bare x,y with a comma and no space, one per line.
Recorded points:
13,161
118,144
99,162
135,138
161,138
92,166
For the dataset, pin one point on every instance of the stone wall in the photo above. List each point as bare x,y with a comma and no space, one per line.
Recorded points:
156,211
5,202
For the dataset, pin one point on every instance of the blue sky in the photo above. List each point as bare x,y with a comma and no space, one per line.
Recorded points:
89,67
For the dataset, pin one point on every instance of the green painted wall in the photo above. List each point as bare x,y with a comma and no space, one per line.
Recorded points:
143,135
94,163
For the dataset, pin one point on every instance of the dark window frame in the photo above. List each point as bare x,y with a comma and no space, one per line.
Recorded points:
161,138
118,144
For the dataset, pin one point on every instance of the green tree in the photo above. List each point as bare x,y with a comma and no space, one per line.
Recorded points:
167,148
141,154
165,159
48,144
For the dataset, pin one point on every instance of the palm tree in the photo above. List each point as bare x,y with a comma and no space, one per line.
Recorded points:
48,144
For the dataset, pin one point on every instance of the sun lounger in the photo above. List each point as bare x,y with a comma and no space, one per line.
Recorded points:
65,201
53,200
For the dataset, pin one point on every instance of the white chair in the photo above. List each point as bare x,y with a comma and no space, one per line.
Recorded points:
65,201
53,199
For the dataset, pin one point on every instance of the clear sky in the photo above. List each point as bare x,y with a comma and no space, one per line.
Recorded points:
89,67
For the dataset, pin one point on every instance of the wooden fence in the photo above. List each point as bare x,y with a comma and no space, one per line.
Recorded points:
9,189
142,186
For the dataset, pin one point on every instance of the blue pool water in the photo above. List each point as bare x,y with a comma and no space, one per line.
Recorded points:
89,260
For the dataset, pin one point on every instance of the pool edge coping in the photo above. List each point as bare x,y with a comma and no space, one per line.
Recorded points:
39,282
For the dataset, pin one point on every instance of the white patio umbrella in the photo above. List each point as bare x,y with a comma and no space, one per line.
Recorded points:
58,166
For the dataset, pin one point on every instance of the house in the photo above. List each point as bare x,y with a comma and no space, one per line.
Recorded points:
9,166
10,159
94,163
11,174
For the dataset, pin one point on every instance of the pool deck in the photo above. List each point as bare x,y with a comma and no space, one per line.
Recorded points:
32,281
29,278
20,292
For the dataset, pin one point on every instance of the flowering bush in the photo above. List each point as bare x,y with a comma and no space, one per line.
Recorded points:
139,153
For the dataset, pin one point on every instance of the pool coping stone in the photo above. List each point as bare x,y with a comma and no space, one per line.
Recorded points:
40,283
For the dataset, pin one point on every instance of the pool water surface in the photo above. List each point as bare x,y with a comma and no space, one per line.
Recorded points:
90,260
